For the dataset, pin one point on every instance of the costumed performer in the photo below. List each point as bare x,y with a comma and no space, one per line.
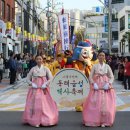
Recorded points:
82,56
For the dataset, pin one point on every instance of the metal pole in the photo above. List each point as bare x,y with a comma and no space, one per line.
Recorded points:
48,20
109,27
33,16
22,26
33,27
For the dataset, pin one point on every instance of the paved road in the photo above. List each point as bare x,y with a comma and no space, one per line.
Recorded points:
12,98
67,121
12,101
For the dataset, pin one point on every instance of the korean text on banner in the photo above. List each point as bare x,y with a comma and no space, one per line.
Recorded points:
64,30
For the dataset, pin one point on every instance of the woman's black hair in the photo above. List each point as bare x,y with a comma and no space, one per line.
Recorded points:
38,55
18,57
101,51
128,57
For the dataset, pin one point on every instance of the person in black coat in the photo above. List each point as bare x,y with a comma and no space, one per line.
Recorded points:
32,62
13,68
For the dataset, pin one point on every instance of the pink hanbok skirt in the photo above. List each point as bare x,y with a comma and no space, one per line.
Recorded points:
40,108
100,106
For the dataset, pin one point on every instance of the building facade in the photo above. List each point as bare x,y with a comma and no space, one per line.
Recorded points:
124,27
94,25
7,27
7,9
118,6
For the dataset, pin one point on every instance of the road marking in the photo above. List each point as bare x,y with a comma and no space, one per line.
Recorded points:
6,105
8,108
125,94
119,108
119,102
10,99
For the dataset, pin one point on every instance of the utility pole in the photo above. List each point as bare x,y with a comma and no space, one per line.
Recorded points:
22,26
109,26
33,26
48,21
33,15
52,36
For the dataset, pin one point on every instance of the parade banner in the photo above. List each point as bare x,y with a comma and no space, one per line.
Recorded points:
64,30
69,88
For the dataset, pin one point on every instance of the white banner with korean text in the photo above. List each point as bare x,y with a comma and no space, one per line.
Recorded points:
69,88
64,30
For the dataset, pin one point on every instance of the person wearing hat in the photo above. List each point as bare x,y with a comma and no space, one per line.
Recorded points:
44,60
48,62
50,65
61,60
68,59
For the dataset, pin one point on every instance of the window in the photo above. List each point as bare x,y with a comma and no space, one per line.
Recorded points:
128,21
93,35
94,24
12,13
117,1
91,25
122,23
8,12
104,35
19,18
115,35
114,19
100,24
3,9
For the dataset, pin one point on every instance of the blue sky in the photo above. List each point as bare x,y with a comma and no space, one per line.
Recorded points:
76,4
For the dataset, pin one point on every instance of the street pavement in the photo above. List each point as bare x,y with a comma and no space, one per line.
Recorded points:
13,97
12,103
68,120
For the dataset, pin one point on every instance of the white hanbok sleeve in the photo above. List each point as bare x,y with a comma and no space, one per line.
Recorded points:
110,74
29,76
48,74
92,74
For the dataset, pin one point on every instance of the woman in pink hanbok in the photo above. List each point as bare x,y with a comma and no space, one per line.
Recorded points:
40,108
100,107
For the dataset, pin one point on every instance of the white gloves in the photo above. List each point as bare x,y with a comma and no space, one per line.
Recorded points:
34,85
106,86
95,86
44,85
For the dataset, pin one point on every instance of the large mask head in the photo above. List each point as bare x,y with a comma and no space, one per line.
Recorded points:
83,52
